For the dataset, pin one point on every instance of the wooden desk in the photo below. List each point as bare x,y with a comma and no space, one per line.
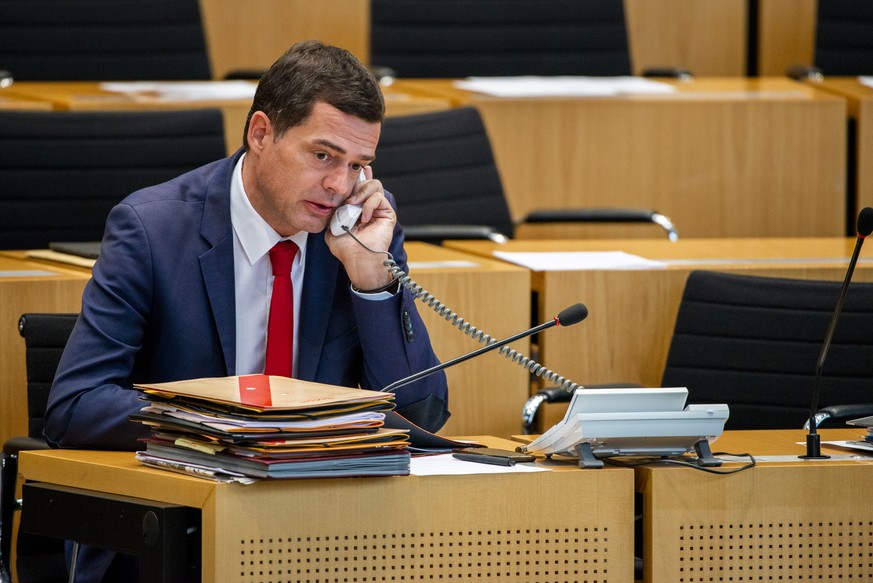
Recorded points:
786,34
473,527
627,334
709,38
722,157
859,99
787,520
9,101
88,96
485,394
28,286
253,35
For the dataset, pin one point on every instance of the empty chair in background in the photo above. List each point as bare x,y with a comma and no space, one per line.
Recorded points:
102,40
38,558
753,342
460,38
843,41
61,173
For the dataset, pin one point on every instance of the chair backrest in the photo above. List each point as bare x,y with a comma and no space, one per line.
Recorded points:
753,343
61,172
38,558
45,336
460,38
441,169
102,40
844,37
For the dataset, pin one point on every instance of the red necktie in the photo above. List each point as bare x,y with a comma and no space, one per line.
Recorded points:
280,329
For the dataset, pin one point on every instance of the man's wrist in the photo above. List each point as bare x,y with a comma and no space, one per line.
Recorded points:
391,288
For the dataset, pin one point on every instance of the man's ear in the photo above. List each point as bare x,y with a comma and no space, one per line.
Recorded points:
260,130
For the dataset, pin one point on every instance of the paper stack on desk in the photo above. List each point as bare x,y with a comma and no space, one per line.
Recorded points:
258,426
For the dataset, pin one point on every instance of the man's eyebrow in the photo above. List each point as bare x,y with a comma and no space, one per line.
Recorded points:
328,144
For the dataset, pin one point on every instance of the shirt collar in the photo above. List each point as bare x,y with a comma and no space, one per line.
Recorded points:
255,235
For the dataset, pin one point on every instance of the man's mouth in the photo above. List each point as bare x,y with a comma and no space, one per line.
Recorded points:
321,209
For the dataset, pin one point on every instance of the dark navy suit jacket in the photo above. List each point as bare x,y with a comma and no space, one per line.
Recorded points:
160,307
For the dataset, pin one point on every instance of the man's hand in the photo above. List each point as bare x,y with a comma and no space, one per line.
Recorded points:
375,229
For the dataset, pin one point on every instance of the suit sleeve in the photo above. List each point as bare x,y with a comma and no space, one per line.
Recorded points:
92,398
395,345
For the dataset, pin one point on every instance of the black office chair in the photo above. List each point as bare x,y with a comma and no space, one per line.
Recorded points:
102,40
442,170
460,38
753,342
38,558
843,41
61,172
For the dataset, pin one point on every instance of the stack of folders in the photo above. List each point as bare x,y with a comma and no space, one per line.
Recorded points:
240,429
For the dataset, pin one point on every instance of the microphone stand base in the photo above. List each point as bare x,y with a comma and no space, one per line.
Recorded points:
813,448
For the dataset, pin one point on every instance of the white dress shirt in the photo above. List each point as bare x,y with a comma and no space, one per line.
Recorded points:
253,277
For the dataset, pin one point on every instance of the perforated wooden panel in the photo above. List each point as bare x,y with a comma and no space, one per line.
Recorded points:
782,520
782,551
555,555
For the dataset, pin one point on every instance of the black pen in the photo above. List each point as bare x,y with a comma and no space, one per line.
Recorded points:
494,460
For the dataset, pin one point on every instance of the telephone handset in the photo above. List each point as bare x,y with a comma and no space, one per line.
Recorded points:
346,215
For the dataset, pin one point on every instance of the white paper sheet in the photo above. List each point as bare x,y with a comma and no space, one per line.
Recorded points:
446,465
579,260
563,86
185,90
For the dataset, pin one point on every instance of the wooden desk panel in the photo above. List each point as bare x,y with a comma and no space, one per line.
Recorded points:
723,157
786,34
373,529
708,38
10,101
252,35
28,286
632,312
787,521
485,394
88,96
859,99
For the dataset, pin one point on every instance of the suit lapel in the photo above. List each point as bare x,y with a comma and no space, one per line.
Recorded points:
216,264
315,309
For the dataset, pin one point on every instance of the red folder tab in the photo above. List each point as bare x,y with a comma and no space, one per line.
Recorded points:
254,390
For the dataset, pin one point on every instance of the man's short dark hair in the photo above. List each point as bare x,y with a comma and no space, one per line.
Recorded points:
311,72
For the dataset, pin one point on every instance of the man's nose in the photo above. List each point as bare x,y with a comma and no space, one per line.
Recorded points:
337,181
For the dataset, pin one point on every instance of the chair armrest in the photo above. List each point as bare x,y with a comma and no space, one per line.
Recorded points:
17,444
836,415
604,215
437,233
674,72
9,504
253,74
801,72
532,405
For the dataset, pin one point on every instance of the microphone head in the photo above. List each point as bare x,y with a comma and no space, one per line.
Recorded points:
572,315
865,222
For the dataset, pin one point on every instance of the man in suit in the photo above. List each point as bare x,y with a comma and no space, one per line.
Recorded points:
183,283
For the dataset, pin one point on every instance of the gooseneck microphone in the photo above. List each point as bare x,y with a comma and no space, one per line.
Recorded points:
567,317
813,439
